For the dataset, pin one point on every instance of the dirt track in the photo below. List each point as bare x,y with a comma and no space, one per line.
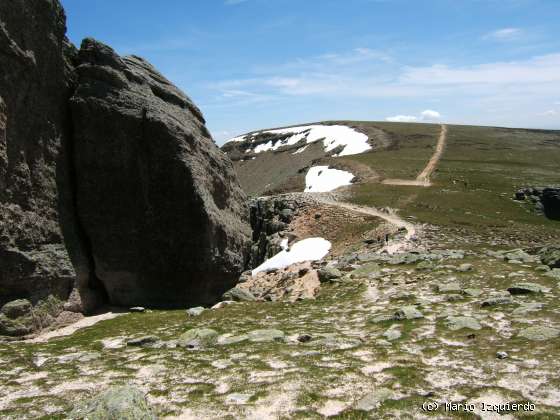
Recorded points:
423,178
390,216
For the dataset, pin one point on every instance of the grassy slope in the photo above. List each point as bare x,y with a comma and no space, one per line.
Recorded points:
475,180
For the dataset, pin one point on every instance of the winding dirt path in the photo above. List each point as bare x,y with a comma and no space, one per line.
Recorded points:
389,216
423,178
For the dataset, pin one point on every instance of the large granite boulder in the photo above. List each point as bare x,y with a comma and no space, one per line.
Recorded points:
158,201
36,81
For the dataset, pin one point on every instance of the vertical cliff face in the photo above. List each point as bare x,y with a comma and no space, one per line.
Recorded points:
111,188
35,84
159,201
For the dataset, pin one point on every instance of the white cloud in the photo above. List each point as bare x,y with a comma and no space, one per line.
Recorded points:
402,118
505,34
550,113
233,2
427,115
430,115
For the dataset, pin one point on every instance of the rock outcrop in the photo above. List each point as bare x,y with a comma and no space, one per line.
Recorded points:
111,187
35,202
544,200
158,201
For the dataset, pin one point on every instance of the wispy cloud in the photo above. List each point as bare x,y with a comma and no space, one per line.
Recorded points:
504,34
550,113
234,2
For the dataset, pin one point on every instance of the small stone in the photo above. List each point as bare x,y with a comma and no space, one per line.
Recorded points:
304,338
373,400
265,335
381,318
542,268
526,288
472,292
138,309
142,341
198,337
539,333
223,304
456,323
119,402
237,398
238,295
501,355
465,267
408,312
392,334
228,339
448,287
454,297
499,298
525,308
195,311
17,308
554,273
327,274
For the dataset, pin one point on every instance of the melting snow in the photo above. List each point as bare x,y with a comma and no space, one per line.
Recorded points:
311,249
333,136
323,179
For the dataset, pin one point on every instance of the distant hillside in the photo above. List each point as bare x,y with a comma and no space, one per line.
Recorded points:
473,183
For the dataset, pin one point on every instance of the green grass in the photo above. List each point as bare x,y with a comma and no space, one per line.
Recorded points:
474,183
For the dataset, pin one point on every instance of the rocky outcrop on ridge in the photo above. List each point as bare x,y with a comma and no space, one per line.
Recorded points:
545,200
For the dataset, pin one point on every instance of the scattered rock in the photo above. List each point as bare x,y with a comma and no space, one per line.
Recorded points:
465,267
223,304
147,340
196,311
17,308
526,288
373,400
498,298
525,308
455,323
449,287
472,292
265,335
408,312
502,355
327,274
539,333
198,338
122,402
550,256
237,398
239,295
304,338
228,339
554,273
393,333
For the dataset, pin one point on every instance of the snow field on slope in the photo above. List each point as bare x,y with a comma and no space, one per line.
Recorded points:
333,136
324,179
311,249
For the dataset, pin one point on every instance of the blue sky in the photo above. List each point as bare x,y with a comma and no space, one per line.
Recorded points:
251,64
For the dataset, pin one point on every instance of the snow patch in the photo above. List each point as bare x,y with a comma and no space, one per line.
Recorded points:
311,249
324,179
332,136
